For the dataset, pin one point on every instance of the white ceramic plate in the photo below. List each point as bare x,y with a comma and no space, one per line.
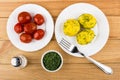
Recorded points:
101,29
48,26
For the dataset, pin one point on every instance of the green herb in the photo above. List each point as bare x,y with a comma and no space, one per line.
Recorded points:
51,61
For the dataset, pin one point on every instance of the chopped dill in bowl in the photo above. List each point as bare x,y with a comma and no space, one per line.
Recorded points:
51,60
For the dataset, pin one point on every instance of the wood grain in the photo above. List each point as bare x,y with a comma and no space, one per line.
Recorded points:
105,55
74,68
7,7
77,71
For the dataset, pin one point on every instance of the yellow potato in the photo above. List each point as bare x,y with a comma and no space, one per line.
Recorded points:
87,21
71,27
85,36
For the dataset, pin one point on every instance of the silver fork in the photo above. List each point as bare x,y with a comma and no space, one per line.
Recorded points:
73,49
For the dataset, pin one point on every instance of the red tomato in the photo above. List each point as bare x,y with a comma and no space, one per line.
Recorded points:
38,19
39,34
24,17
18,28
30,27
26,38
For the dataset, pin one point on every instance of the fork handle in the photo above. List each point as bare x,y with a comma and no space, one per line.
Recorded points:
103,67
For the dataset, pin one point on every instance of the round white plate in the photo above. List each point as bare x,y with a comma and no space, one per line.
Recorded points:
101,29
48,26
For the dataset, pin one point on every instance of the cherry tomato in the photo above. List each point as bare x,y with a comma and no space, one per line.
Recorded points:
38,19
24,17
18,28
39,34
26,38
30,27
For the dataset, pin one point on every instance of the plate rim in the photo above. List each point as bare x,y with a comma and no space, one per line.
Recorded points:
51,22
108,29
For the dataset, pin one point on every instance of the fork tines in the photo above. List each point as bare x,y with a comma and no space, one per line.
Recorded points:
65,44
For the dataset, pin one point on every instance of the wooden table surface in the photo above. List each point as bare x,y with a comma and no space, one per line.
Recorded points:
73,68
